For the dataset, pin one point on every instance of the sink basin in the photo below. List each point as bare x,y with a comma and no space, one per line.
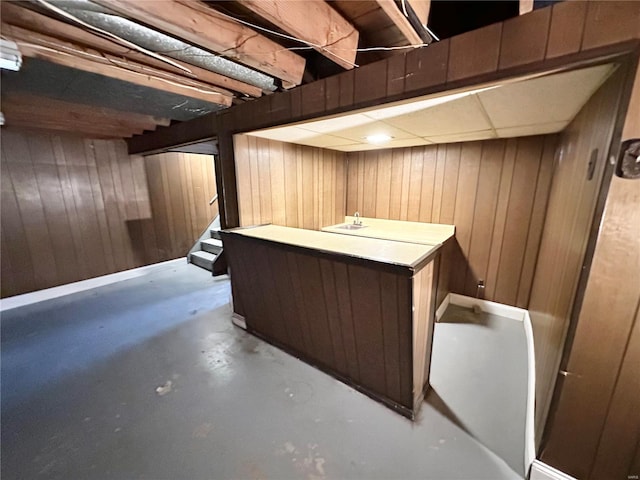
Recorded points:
352,226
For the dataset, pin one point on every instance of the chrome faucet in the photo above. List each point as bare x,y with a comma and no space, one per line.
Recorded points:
356,220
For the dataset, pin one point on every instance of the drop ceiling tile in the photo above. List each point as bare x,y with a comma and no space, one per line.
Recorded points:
358,147
420,103
549,99
528,130
412,106
325,141
463,114
463,137
285,134
358,133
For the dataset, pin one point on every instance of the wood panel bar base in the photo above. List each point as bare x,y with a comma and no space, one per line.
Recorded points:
367,320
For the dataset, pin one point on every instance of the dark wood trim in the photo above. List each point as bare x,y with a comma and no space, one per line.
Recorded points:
226,175
175,135
242,118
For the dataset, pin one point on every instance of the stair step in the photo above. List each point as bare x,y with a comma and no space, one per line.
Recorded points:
215,233
202,259
211,245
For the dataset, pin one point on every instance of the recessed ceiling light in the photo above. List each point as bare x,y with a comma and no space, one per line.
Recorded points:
378,138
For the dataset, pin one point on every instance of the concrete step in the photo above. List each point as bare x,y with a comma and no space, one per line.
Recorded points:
215,233
211,245
202,259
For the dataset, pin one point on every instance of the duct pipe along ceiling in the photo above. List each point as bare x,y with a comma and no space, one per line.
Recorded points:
160,43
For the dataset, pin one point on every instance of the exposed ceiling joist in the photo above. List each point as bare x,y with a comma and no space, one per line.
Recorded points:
21,118
315,22
97,131
22,17
195,22
17,105
400,21
36,45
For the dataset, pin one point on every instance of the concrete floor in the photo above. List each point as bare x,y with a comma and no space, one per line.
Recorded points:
86,395
479,371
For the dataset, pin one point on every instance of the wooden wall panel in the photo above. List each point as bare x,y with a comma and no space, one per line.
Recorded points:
600,350
74,208
614,457
180,188
495,192
566,33
289,185
567,228
599,438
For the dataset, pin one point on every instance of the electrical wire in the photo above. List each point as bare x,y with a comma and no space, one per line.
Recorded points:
289,37
110,35
309,45
312,45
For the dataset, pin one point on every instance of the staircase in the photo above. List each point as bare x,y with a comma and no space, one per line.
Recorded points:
208,249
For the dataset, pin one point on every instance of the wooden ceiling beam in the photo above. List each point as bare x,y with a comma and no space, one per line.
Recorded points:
96,131
71,55
196,23
51,109
315,22
14,14
400,21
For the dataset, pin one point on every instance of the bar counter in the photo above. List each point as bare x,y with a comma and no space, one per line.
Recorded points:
358,308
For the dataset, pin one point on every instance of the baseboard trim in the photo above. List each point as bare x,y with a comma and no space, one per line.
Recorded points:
494,308
443,307
530,424
75,287
542,471
238,320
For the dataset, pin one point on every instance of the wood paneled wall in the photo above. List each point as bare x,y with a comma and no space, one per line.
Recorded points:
495,193
566,33
74,208
180,188
596,426
567,229
289,185
594,431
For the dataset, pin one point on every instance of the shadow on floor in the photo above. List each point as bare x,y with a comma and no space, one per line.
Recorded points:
440,405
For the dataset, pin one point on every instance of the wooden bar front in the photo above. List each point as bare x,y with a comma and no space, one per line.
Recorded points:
366,321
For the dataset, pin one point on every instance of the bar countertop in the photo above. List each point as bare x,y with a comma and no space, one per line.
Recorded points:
375,249
434,234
